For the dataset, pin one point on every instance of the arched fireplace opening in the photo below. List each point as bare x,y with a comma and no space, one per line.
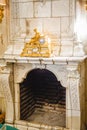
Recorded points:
43,98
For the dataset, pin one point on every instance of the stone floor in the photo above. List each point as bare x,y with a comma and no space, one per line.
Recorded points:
48,118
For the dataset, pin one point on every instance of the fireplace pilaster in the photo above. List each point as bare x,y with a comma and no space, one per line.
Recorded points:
7,92
73,110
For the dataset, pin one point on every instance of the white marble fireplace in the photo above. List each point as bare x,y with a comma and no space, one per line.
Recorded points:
70,71
55,19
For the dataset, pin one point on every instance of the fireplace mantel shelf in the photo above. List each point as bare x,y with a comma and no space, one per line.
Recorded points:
41,60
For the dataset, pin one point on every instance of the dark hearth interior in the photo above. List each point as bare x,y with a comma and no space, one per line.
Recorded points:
42,98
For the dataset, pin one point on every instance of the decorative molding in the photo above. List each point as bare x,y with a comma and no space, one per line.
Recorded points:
73,86
74,93
4,81
5,85
60,72
20,72
41,66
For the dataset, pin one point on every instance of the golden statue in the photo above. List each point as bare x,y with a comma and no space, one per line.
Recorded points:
36,37
38,46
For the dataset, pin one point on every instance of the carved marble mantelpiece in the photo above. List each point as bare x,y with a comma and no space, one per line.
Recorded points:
70,71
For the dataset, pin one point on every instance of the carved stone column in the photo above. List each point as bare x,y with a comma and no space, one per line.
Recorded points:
73,113
4,83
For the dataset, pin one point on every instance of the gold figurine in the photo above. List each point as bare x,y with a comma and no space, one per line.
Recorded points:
38,46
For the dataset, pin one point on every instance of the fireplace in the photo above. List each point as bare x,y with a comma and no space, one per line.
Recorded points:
43,98
34,87
44,93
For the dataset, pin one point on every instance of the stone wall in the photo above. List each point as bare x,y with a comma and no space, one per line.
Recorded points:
54,18
4,29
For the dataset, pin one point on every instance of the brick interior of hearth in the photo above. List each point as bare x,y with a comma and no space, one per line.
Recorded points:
42,99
